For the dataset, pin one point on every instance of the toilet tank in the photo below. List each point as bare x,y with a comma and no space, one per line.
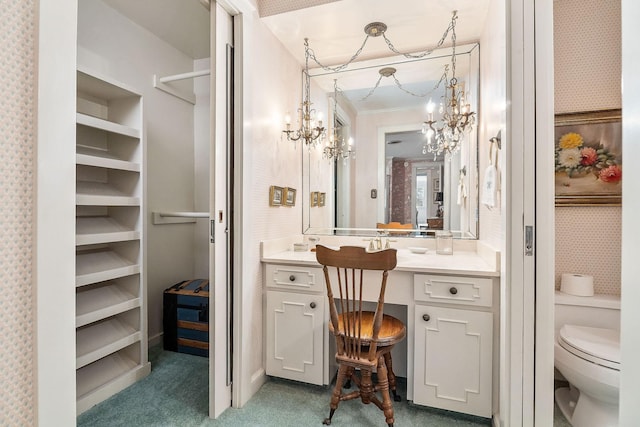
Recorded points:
598,311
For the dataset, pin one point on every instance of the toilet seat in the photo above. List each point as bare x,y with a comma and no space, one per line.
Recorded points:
596,345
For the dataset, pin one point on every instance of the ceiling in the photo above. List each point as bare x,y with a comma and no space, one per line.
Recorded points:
335,30
184,24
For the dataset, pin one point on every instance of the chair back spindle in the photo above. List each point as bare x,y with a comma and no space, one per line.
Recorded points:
350,264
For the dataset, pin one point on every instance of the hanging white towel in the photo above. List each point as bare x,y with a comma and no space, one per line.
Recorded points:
489,187
462,192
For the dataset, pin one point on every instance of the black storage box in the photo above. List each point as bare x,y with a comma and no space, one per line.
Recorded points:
186,317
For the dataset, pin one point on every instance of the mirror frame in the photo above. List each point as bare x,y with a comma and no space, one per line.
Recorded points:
322,103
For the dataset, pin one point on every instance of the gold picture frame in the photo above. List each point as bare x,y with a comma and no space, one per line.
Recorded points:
289,197
588,158
276,195
314,198
322,198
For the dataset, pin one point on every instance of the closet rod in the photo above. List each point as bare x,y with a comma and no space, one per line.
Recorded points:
184,76
184,214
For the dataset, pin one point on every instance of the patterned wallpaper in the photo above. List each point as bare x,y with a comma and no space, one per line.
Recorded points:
587,77
587,55
17,199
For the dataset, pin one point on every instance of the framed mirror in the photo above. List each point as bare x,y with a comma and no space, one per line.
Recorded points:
391,177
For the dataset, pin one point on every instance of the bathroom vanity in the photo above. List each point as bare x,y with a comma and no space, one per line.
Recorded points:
450,304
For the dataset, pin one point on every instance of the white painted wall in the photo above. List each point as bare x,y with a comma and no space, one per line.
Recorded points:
493,107
115,46
630,339
493,104
271,87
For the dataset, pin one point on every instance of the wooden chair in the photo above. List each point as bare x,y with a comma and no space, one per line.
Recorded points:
395,228
364,339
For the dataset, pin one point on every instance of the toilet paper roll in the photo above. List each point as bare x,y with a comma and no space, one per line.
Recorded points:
577,284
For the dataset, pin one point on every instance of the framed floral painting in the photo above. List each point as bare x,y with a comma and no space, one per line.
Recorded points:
588,158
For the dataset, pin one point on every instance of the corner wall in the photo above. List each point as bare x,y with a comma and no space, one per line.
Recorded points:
271,86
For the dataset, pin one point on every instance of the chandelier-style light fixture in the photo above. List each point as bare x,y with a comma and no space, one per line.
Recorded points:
441,136
336,147
456,118
311,130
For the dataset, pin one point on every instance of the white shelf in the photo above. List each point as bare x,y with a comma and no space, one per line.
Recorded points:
103,338
104,378
97,374
104,159
97,123
111,332
100,229
100,266
101,194
99,303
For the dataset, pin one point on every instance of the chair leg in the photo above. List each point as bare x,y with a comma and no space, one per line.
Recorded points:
337,391
392,377
383,384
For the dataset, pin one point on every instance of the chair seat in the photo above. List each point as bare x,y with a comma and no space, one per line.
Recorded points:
391,332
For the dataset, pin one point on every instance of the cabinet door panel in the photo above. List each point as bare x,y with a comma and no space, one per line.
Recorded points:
295,336
453,351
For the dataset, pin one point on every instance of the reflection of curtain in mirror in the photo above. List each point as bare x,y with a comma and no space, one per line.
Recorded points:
422,203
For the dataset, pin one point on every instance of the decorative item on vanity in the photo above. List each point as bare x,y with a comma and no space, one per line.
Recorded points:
457,119
336,147
276,195
444,242
310,130
300,247
587,354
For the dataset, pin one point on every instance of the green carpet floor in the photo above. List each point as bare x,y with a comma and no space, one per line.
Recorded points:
176,394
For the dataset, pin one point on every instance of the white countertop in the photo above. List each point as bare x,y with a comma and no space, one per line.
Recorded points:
460,263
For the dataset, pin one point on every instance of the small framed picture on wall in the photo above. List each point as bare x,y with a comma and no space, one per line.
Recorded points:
321,198
275,195
289,196
314,198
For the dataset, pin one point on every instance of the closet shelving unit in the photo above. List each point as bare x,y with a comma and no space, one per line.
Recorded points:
111,312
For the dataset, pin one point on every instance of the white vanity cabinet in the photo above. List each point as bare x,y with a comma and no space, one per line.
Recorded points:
295,323
453,347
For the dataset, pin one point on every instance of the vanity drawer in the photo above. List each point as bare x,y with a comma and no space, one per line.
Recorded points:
295,278
475,291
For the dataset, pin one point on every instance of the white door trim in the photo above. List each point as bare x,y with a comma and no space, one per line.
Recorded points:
545,215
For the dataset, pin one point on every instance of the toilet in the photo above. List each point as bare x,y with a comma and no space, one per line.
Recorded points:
587,355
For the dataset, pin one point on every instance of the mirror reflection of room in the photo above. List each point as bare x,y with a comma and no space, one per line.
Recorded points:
396,176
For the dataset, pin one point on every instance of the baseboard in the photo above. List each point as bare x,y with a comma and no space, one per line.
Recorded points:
495,420
155,340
